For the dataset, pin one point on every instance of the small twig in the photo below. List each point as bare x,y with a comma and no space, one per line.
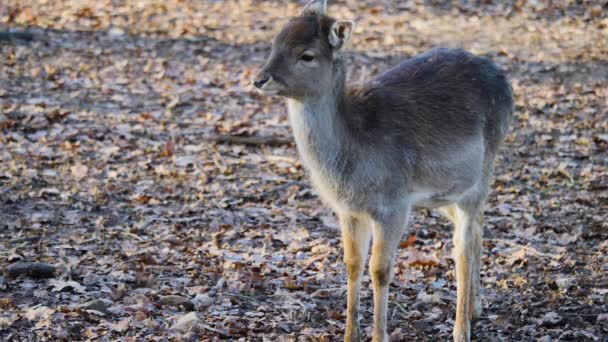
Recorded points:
309,262
23,35
285,159
249,140
221,332
25,239
578,314
237,295
138,238
261,196
327,289
528,248
281,187
83,200
400,306
292,299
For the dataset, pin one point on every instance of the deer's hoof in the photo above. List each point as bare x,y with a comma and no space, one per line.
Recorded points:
462,332
352,335
476,309
380,337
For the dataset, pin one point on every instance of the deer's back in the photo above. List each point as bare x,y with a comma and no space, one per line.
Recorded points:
439,116
441,96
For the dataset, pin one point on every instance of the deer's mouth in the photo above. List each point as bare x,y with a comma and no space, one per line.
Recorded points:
269,91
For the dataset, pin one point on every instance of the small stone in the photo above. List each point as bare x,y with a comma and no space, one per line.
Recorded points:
545,338
116,32
602,319
31,269
550,319
428,298
564,283
424,325
177,301
202,301
100,305
397,335
187,322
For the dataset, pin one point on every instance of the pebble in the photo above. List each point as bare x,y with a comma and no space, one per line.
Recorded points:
116,32
177,301
100,305
202,301
602,319
187,322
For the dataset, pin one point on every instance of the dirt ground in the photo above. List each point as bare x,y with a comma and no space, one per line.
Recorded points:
118,169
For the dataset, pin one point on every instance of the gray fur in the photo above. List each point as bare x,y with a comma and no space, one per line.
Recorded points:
423,134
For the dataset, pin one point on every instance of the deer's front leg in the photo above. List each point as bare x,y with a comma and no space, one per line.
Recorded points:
387,230
355,239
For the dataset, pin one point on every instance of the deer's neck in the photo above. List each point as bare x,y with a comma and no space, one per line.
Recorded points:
318,126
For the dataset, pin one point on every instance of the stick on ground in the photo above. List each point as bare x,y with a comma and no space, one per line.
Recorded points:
250,140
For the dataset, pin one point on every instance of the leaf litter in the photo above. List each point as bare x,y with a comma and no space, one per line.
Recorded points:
169,202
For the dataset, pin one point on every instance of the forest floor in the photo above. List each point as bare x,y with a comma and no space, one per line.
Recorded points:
116,172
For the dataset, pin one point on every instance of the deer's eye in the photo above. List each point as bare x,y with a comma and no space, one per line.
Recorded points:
307,57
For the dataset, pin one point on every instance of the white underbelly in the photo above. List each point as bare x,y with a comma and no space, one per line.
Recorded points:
429,199
327,190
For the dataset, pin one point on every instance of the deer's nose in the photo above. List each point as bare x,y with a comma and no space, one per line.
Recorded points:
259,83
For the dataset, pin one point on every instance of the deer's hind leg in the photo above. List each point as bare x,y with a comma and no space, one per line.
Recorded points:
475,299
467,217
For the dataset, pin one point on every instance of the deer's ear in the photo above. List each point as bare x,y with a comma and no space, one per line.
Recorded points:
315,7
340,32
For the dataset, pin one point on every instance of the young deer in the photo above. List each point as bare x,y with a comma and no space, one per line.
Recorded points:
423,134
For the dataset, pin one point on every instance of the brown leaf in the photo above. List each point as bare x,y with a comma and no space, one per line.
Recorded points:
39,313
410,241
122,325
416,258
70,285
517,256
26,16
168,150
79,171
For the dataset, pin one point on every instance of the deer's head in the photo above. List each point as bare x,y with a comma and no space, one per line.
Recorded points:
302,59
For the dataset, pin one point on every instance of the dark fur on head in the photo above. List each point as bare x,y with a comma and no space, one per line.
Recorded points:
308,34
305,29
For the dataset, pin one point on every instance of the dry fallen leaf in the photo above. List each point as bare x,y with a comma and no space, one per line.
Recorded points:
122,325
416,258
79,171
112,169
70,285
39,313
550,319
602,319
410,241
519,256
7,321
187,322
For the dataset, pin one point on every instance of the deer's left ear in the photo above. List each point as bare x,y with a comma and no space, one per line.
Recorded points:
315,7
340,33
